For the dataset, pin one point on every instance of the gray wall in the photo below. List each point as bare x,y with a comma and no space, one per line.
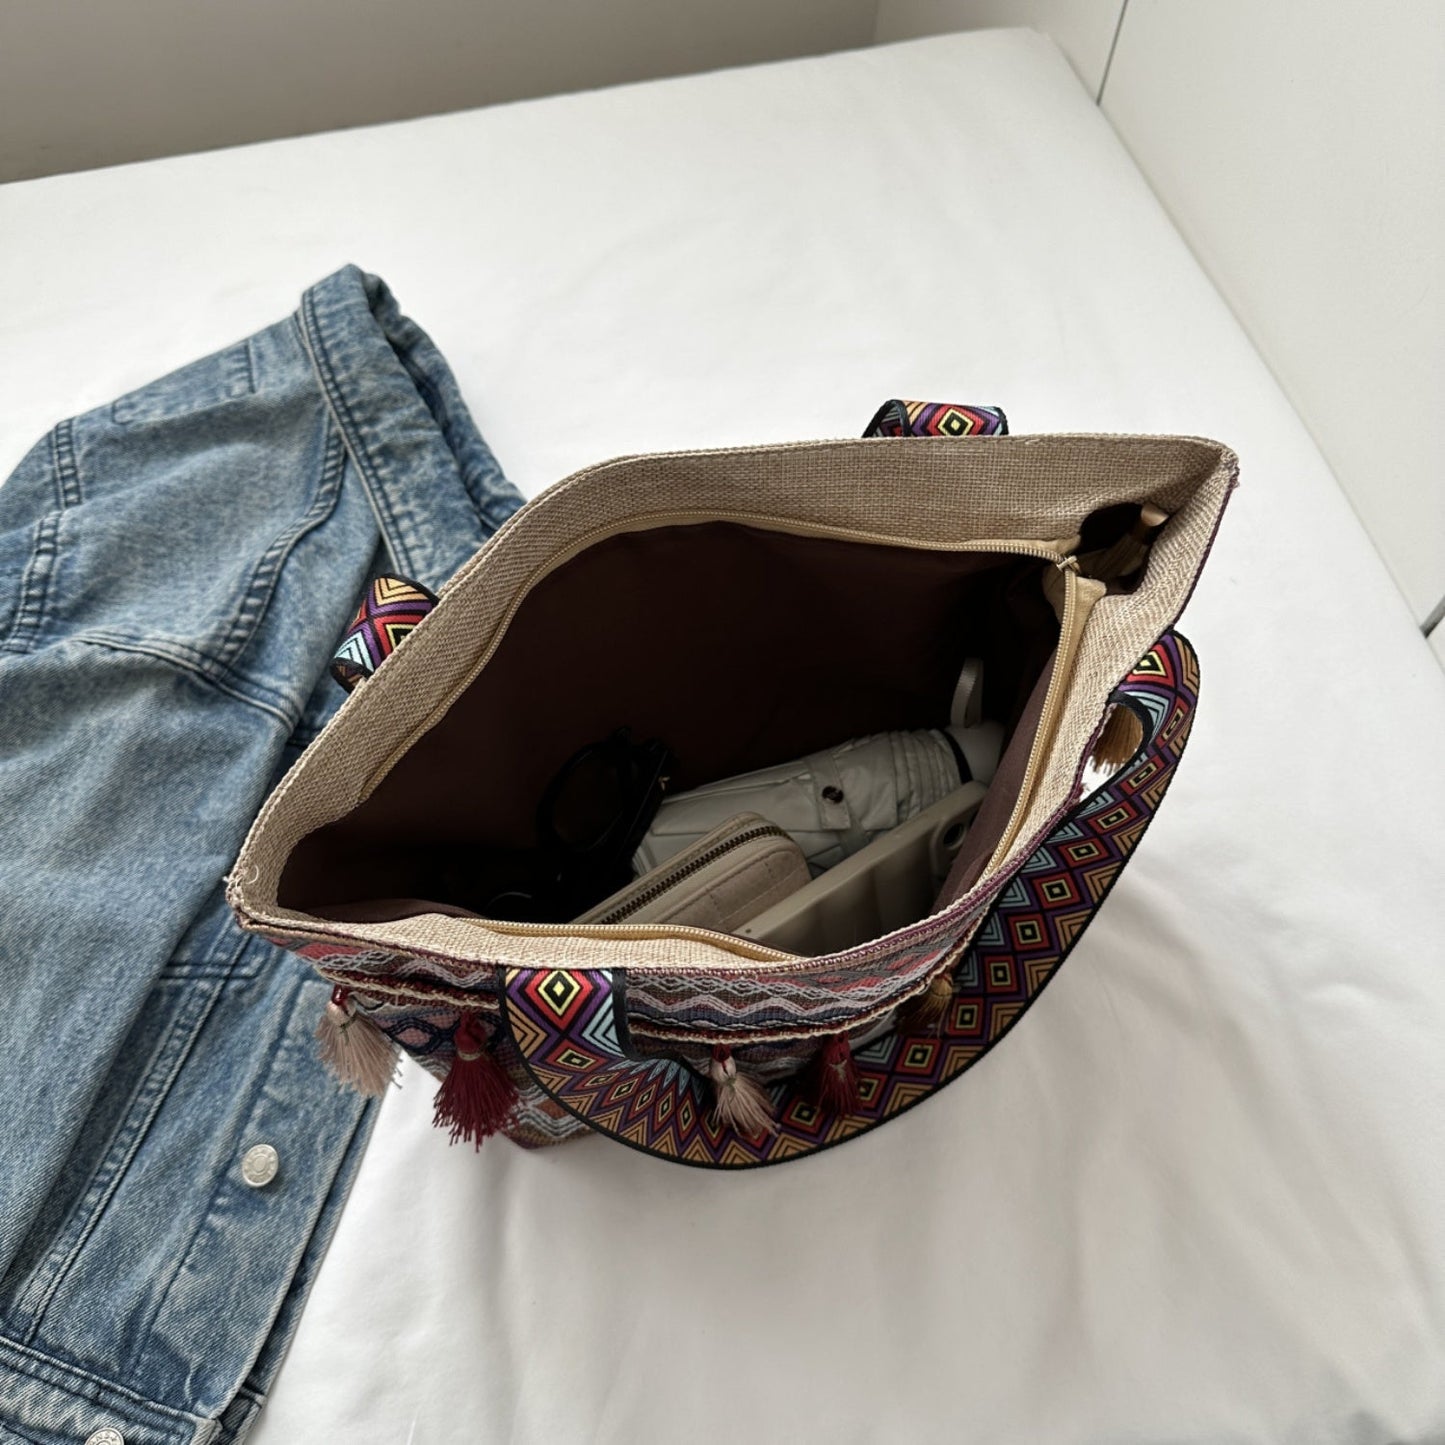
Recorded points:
1083,29
95,82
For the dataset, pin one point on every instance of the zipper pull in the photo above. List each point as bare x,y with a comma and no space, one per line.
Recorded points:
1059,582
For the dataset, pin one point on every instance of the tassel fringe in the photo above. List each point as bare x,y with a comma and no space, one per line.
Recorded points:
838,1076
1120,739
739,1100
353,1049
926,1012
477,1096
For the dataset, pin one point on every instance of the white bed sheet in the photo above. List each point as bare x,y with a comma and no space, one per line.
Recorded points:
1200,1193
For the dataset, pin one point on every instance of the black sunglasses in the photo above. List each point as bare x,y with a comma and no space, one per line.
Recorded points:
590,819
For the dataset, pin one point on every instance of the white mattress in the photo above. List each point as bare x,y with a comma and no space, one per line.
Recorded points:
1200,1193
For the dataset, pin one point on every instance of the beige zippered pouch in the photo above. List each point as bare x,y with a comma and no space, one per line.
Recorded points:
727,877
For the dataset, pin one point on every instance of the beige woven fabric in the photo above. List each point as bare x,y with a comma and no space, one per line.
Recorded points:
927,492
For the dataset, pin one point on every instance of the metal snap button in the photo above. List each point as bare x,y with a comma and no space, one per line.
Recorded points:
258,1169
106,1435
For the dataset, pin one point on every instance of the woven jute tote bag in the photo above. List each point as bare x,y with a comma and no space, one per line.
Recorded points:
748,606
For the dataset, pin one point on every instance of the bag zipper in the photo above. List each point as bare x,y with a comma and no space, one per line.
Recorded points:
1055,552
1080,595
686,870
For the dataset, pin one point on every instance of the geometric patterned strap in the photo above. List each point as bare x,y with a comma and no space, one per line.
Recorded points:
570,1026
389,611
936,419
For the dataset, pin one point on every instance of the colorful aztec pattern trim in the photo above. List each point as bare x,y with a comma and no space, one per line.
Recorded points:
389,613
936,419
759,999
570,1029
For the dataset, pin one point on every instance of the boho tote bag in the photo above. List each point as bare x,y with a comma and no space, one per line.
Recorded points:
748,606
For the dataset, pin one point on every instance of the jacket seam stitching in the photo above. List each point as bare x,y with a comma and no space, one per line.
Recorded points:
201,1218
67,474
150,1094
267,572
34,585
314,340
199,670
49,1363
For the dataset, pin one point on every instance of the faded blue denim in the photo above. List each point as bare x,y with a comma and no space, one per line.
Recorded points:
175,570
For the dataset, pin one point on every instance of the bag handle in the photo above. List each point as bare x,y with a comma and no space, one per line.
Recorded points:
936,419
391,610
570,1028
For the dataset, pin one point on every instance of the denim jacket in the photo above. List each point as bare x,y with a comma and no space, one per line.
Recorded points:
175,569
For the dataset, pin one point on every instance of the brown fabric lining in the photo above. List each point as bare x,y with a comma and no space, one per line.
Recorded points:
737,646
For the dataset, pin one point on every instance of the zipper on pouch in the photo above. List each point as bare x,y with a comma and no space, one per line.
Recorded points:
675,875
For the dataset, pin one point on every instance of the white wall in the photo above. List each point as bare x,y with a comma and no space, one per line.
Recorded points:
1082,29
89,84
1300,148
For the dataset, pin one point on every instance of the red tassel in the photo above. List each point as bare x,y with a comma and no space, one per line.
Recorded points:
477,1096
838,1076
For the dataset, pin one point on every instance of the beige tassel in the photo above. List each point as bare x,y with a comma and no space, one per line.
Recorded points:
926,1012
356,1052
1121,738
741,1102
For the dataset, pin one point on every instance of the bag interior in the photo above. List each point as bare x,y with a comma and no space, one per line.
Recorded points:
738,647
